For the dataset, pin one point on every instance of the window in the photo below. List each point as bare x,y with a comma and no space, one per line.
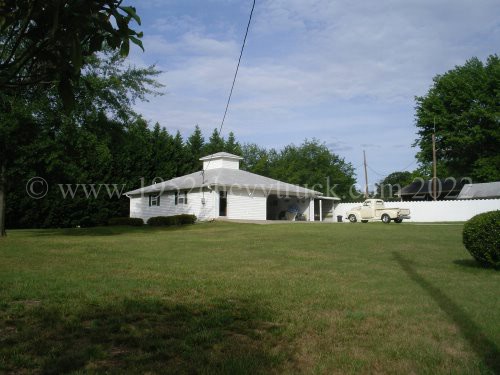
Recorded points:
154,200
181,198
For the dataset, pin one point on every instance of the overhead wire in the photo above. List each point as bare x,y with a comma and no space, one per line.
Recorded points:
237,68
234,81
399,170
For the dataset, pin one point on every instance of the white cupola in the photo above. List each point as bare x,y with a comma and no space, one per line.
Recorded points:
221,160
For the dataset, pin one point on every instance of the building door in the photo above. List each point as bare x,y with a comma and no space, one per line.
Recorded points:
317,214
222,203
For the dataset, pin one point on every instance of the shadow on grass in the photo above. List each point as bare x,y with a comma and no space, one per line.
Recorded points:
471,263
102,231
482,345
141,336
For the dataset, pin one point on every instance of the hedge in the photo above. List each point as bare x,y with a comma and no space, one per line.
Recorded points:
481,237
172,220
133,221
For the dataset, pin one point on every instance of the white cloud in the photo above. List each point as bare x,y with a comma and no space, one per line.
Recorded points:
343,71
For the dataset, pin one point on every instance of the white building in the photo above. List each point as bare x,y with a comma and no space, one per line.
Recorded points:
222,190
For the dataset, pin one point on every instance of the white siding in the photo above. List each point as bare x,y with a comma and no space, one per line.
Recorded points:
430,211
310,209
242,205
139,206
221,163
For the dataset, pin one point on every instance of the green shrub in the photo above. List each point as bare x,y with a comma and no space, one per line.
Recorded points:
481,237
172,220
132,221
186,219
159,221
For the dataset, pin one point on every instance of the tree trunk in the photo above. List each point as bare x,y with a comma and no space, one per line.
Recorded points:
3,192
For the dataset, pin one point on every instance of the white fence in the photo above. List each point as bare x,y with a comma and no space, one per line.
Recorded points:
430,211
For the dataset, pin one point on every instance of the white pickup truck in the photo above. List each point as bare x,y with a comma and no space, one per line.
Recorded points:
374,209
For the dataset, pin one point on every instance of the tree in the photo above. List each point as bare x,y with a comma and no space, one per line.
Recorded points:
463,105
109,85
215,143
45,44
194,150
256,159
393,183
231,145
178,155
313,165
162,165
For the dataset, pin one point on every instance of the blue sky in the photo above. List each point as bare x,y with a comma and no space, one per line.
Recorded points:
344,72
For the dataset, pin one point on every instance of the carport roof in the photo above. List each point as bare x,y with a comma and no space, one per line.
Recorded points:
483,190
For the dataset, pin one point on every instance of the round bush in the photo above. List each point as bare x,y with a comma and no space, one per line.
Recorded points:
481,237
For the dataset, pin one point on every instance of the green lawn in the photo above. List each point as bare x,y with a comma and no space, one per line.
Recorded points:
242,298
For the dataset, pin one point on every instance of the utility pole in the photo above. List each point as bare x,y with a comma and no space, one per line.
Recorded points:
434,178
366,176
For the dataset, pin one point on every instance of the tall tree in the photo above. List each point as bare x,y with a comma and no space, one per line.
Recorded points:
178,153
231,145
215,143
194,150
163,153
463,107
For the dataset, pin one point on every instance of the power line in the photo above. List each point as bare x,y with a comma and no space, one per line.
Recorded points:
409,165
377,173
237,68
398,170
234,78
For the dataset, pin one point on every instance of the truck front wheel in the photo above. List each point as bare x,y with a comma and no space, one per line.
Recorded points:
386,219
352,218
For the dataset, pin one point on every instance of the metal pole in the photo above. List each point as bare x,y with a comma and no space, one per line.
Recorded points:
434,178
366,175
